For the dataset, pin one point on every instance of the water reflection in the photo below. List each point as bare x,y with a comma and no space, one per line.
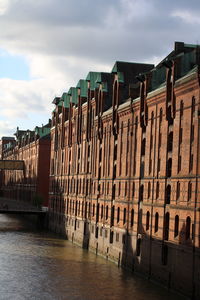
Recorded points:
42,266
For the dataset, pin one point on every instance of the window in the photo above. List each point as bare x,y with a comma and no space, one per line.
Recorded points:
119,189
169,167
157,190
193,106
189,191
143,146
112,216
192,133
86,210
125,192
133,189
138,247
108,188
118,214
124,218
168,194
141,194
117,237
93,210
132,217
156,222
170,141
180,135
101,211
181,109
106,212
161,115
149,189
166,227
179,163
177,190
191,161
187,229
147,221
176,226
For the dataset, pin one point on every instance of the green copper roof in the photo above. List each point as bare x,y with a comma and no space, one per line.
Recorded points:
120,77
92,77
104,86
191,45
60,103
188,61
66,99
42,131
83,86
73,92
158,77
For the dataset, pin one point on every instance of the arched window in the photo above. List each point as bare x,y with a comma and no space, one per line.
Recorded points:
119,189
193,105
118,214
156,222
169,167
181,109
147,220
138,247
125,192
168,194
133,189
102,211
161,115
176,226
177,190
132,217
143,146
149,189
187,229
152,118
189,191
82,208
79,208
170,141
86,210
124,218
106,212
157,190
166,227
141,194
93,210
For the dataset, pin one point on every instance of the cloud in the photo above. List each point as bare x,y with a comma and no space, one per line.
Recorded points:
63,40
6,128
187,17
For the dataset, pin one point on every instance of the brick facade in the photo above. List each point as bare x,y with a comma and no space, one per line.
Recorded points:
124,174
33,147
124,167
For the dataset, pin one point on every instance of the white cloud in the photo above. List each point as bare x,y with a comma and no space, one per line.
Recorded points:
4,5
6,128
187,16
63,40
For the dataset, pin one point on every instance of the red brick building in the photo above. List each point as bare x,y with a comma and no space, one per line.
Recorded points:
4,143
33,147
124,175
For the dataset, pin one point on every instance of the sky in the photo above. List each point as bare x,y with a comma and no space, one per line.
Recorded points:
46,46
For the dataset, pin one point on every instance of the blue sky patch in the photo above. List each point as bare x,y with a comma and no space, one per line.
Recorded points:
13,66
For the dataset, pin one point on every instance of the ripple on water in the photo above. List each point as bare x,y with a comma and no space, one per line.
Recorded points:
42,266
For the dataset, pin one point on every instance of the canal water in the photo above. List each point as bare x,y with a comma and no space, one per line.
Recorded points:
35,265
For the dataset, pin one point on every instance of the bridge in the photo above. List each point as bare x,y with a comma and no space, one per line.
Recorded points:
11,164
12,206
